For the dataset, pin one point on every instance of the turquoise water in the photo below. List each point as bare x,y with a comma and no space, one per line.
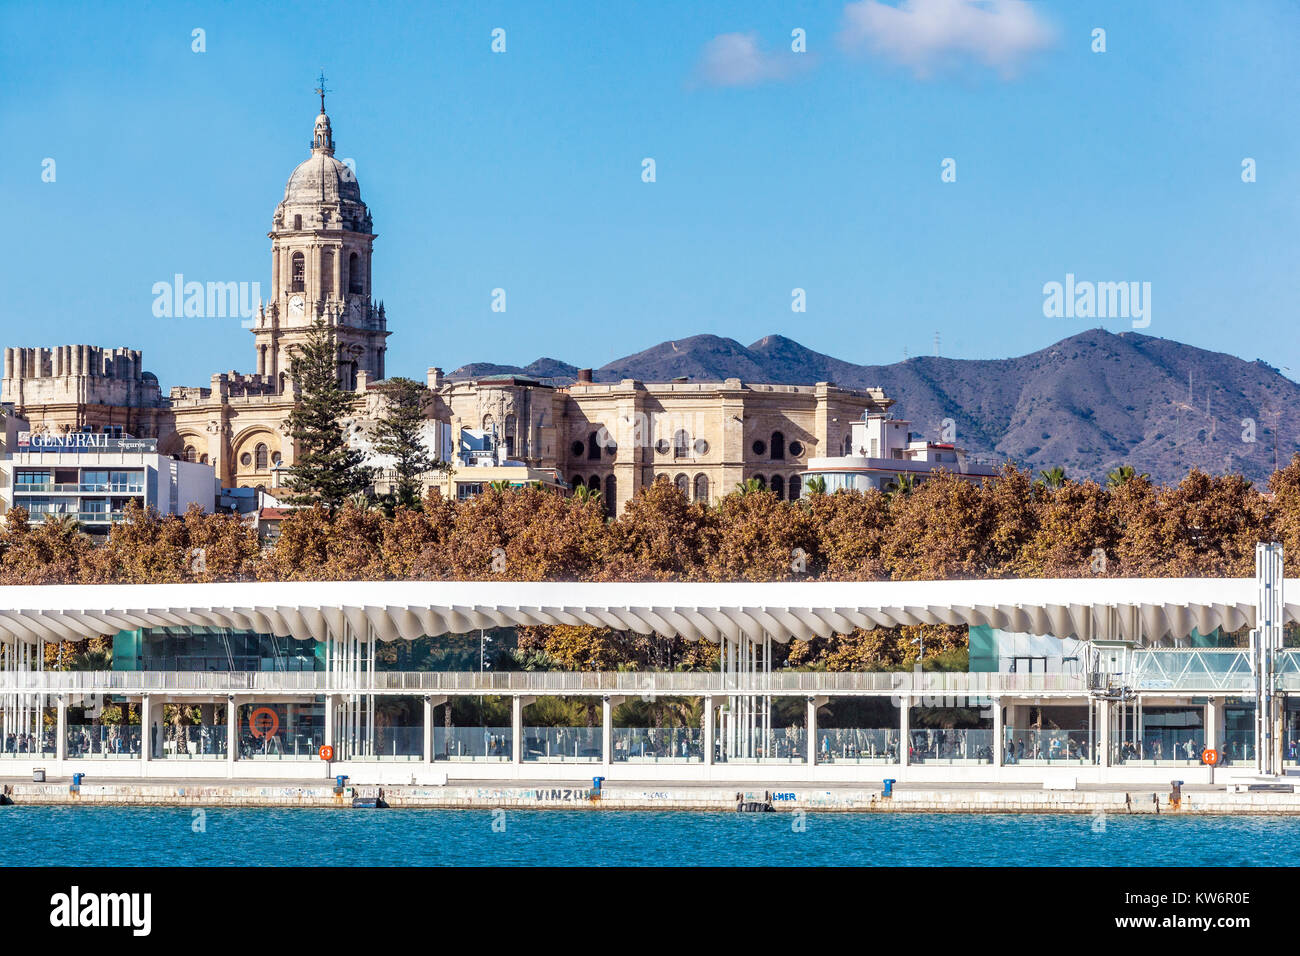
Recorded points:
95,836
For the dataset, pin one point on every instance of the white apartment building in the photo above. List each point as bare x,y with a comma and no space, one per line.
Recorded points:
879,449
93,477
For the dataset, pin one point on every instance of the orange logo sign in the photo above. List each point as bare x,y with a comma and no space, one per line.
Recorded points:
263,722
327,752
1210,757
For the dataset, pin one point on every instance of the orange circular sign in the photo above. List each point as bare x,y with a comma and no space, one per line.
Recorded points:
1210,757
263,722
327,752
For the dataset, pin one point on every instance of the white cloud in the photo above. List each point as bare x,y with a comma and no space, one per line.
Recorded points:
735,59
925,35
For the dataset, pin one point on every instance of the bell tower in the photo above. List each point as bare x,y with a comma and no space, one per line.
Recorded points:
322,240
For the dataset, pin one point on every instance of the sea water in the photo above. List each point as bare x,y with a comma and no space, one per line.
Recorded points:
131,836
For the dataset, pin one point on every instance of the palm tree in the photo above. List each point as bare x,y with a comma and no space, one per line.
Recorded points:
64,524
1053,477
583,493
815,485
1122,476
900,486
362,502
750,486
500,485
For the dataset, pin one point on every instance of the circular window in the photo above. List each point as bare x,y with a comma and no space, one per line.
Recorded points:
701,446
245,459
578,448
760,447
275,458
796,448
662,446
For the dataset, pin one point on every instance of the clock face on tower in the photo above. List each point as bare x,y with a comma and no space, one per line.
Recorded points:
295,307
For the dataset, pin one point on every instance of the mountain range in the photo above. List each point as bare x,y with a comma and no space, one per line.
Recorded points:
1088,403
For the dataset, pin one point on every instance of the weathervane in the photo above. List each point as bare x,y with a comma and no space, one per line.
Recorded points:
322,90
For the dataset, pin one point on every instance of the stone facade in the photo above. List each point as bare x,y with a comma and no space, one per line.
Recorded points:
617,438
706,437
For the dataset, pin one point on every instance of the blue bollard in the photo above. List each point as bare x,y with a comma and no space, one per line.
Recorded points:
339,782
596,782
889,788
76,783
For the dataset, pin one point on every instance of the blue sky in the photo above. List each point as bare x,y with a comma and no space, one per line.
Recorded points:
775,171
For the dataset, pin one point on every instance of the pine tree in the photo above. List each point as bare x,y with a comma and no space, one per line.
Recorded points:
397,433
325,470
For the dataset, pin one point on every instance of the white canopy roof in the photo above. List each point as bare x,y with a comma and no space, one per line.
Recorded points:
1144,610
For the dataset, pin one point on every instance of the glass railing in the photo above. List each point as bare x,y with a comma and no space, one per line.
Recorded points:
194,742
472,743
1032,746
103,741
1169,747
658,744
946,746
854,745
1238,748
28,746
778,745
91,487
399,743
284,745
580,744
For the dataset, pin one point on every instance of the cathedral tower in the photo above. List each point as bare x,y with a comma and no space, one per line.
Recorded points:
321,246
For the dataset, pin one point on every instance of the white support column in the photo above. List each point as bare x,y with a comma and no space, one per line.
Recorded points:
146,728
1213,719
708,730
904,737
999,747
812,730
331,705
1103,733
517,729
61,730
428,728
232,734
606,732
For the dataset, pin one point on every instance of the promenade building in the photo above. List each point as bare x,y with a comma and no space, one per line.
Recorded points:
616,438
306,680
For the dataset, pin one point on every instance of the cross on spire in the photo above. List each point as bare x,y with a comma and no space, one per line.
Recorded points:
321,89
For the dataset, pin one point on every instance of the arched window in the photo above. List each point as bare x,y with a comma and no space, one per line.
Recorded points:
356,281
488,422
778,446
611,495
190,453
778,487
512,424
593,449
261,457
848,444
683,485
681,444
702,488
297,222
762,482
296,284
795,487
327,271
594,483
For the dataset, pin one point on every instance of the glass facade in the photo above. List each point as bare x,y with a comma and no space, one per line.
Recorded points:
213,649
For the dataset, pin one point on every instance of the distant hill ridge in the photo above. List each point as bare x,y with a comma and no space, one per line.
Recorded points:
1088,403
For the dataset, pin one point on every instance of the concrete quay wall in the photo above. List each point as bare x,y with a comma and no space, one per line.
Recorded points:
955,800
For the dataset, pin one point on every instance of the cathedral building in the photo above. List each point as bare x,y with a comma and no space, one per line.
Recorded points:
615,438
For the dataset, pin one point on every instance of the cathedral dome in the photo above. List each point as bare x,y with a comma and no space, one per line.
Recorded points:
322,179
